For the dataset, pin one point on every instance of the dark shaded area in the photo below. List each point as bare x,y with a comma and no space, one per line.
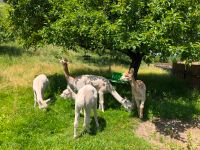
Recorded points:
94,129
169,97
105,60
174,128
11,51
57,85
124,90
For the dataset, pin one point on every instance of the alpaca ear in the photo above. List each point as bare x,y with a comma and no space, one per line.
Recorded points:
61,60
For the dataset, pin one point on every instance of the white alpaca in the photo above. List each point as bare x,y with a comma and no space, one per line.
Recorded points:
138,91
40,84
86,98
101,84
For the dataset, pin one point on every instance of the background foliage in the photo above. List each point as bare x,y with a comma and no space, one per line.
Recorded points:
5,23
147,27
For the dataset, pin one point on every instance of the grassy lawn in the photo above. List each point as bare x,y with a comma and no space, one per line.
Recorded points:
24,127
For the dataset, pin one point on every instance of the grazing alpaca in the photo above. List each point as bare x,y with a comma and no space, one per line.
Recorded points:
40,84
86,98
101,84
138,90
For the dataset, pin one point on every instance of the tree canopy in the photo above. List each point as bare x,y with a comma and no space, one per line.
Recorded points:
5,23
140,29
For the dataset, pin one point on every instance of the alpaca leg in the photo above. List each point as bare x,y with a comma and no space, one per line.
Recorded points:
101,101
87,120
141,109
35,99
133,101
138,106
84,114
77,114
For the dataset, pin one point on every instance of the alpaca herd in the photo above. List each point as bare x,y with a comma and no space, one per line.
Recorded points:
85,89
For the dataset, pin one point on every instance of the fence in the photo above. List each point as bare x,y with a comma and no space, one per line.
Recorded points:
187,72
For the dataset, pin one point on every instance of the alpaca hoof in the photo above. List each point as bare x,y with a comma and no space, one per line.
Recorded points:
101,109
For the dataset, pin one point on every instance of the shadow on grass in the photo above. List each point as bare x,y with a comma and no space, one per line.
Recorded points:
174,128
11,51
173,103
104,60
170,98
57,85
94,129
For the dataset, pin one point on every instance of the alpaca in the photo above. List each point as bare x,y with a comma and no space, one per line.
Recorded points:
40,84
138,90
101,84
86,99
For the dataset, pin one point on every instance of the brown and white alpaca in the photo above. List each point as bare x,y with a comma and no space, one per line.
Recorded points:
101,84
138,89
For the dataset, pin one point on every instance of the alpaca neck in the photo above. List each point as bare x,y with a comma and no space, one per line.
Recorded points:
38,94
133,82
116,96
66,71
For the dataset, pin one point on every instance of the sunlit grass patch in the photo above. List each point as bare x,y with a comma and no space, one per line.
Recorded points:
151,69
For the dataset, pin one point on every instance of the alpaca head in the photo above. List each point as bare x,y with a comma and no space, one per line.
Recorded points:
66,94
127,105
128,76
64,61
43,104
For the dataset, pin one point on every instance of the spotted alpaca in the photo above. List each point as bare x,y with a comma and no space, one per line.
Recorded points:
101,84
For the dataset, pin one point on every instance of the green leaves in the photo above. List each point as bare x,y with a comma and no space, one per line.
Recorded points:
5,23
149,27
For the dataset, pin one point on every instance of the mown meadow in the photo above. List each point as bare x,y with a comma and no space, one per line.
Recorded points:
24,127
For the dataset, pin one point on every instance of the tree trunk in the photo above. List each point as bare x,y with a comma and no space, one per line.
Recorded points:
136,59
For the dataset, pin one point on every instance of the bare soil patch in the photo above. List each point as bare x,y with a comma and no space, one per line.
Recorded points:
171,134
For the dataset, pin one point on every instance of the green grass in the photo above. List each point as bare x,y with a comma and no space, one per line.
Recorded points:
24,127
